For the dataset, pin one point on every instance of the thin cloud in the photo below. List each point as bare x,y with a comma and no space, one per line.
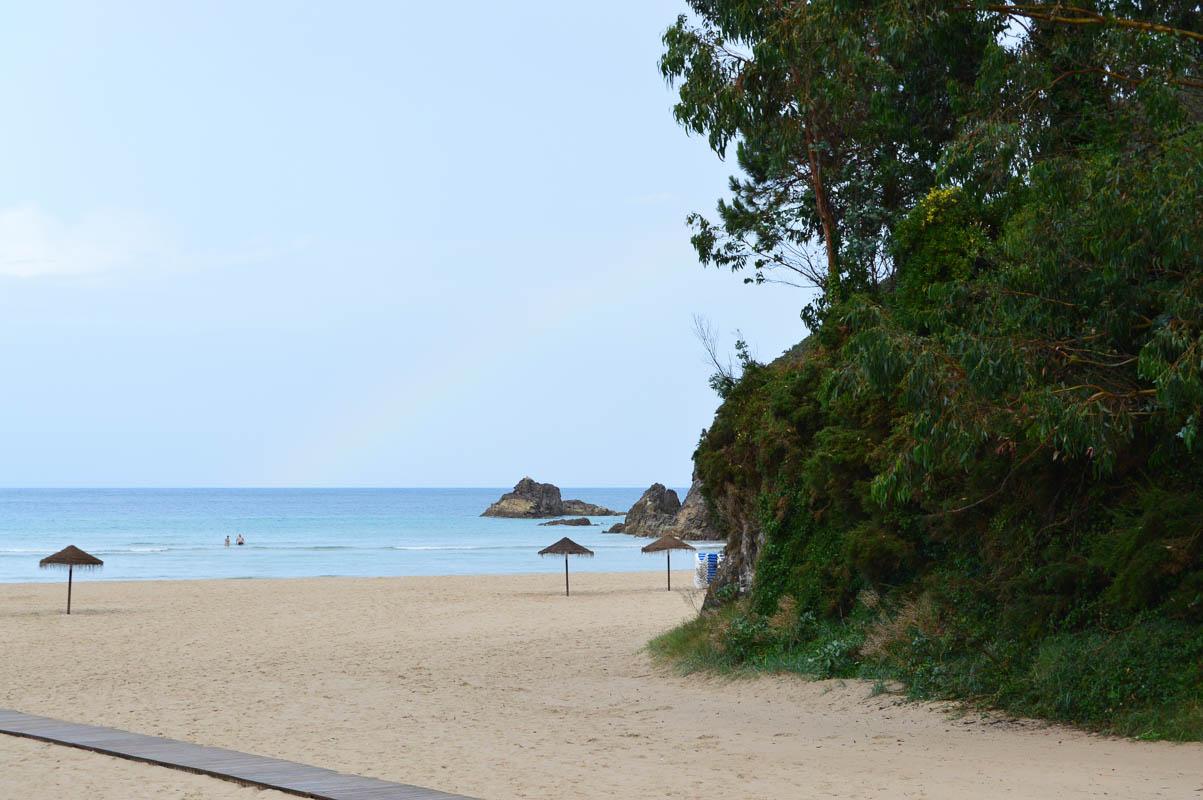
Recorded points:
35,244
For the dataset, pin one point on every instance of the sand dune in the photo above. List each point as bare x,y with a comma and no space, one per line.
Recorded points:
495,687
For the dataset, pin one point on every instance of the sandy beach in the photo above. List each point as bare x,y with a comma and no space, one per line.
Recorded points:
496,687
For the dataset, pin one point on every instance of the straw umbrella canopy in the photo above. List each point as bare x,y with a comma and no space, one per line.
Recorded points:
72,558
566,547
668,544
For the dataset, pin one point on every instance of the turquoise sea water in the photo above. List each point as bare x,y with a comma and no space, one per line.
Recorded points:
144,534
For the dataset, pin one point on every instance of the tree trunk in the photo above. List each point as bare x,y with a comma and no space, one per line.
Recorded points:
826,216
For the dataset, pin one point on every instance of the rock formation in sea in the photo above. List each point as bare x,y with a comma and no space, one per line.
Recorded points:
653,513
580,507
533,500
568,521
659,512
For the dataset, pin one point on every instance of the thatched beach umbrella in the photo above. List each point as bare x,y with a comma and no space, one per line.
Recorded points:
566,547
668,544
70,557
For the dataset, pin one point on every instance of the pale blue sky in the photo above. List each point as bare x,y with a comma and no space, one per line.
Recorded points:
369,244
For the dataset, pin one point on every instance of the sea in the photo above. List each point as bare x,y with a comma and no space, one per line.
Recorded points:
171,534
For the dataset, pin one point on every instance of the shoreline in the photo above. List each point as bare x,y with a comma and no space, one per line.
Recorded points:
85,579
500,687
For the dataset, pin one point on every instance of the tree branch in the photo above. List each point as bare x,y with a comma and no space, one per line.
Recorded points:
1058,13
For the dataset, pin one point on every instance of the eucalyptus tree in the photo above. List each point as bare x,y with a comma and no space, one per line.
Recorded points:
837,113
1030,173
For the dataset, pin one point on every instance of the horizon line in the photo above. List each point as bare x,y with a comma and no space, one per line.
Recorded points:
80,487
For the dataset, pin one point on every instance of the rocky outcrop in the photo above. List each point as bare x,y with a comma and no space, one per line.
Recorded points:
569,521
745,537
659,512
533,500
581,507
653,513
738,515
529,499
694,520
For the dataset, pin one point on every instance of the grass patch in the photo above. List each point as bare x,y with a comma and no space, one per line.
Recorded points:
1142,682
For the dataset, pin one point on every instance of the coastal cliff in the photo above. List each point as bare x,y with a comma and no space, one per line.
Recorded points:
533,500
1026,585
983,476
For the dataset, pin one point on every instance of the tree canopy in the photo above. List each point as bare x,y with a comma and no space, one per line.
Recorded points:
1038,164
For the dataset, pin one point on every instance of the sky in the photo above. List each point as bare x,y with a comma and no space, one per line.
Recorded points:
354,244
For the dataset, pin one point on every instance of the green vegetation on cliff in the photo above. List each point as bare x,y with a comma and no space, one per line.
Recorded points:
982,475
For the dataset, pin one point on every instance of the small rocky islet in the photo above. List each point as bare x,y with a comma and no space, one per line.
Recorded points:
533,500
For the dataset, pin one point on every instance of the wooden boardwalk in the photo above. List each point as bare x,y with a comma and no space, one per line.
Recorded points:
266,773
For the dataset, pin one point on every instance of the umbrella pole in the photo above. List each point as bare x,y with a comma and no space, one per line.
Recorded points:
668,568
70,569
565,574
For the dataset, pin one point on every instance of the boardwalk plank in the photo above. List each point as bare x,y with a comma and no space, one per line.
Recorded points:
269,773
